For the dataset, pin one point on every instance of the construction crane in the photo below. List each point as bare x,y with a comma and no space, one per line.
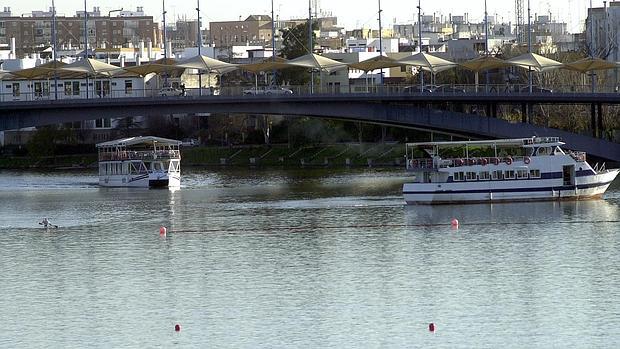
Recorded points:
520,25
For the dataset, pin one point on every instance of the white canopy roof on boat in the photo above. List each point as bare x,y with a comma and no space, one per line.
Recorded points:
138,140
522,142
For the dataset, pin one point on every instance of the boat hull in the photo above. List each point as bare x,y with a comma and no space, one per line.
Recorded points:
141,181
586,187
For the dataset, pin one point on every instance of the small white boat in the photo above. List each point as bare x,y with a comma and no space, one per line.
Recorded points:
142,162
523,169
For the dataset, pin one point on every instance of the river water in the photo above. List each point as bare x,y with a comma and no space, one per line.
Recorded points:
299,259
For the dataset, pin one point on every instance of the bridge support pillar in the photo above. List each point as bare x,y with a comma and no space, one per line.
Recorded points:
593,120
599,122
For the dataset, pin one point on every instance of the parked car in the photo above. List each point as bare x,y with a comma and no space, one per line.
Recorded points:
535,89
416,89
271,90
189,142
170,91
448,89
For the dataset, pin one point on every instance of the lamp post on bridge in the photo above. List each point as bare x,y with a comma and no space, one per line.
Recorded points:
199,44
420,42
54,48
380,45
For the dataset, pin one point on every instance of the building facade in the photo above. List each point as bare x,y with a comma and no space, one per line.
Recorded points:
33,33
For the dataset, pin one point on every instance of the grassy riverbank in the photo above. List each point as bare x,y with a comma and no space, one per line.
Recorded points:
334,155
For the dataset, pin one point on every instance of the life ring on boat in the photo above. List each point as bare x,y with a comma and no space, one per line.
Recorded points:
508,160
484,161
495,161
526,160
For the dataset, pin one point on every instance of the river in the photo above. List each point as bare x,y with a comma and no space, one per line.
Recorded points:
308,258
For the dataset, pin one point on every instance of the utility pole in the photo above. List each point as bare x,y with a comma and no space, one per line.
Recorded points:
273,44
486,38
199,42
380,44
420,43
529,42
86,41
163,5
54,48
310,44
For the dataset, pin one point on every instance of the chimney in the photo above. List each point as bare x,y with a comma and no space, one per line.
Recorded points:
149,49
13,53
169,49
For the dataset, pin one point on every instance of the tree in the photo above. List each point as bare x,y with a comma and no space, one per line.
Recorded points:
295,44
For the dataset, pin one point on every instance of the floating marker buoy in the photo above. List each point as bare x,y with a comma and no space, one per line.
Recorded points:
454,223
177,328
431,327
162,230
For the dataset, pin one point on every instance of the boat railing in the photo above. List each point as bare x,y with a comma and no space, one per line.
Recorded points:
578,156
139,155
420,164
599,167
423,164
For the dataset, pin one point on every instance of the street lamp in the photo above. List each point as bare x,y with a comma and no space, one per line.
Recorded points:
199,46
380,44
420,42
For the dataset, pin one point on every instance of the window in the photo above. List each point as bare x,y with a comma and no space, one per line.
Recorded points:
16,89
534,173
458,176
509,174
76,88
497,175
484,176
128,87
68,88
103,123
522,174
471,176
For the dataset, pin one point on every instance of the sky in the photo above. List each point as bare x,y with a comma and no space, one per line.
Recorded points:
351,13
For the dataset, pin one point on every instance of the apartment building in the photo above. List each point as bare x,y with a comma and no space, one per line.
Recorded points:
33,32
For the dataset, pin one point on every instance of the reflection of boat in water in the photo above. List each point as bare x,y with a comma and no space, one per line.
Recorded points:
543,212
523,169
144,162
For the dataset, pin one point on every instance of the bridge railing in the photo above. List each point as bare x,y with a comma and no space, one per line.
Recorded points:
303,90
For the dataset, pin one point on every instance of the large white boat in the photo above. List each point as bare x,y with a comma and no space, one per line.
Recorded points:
523,169
144,162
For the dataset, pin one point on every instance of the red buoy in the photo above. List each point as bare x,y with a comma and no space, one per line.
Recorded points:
177,328
454,223
162,231
431,327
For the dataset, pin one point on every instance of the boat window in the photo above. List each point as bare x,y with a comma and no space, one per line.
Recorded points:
544,151
509,174
458,176
534,173
521,174
497,175
471,176
484,175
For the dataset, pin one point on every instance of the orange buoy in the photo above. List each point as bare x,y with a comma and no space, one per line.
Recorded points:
162,230
431,327
177,328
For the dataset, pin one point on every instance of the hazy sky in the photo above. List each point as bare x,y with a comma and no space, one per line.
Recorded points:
350,13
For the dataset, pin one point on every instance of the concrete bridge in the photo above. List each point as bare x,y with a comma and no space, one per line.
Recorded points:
404,110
